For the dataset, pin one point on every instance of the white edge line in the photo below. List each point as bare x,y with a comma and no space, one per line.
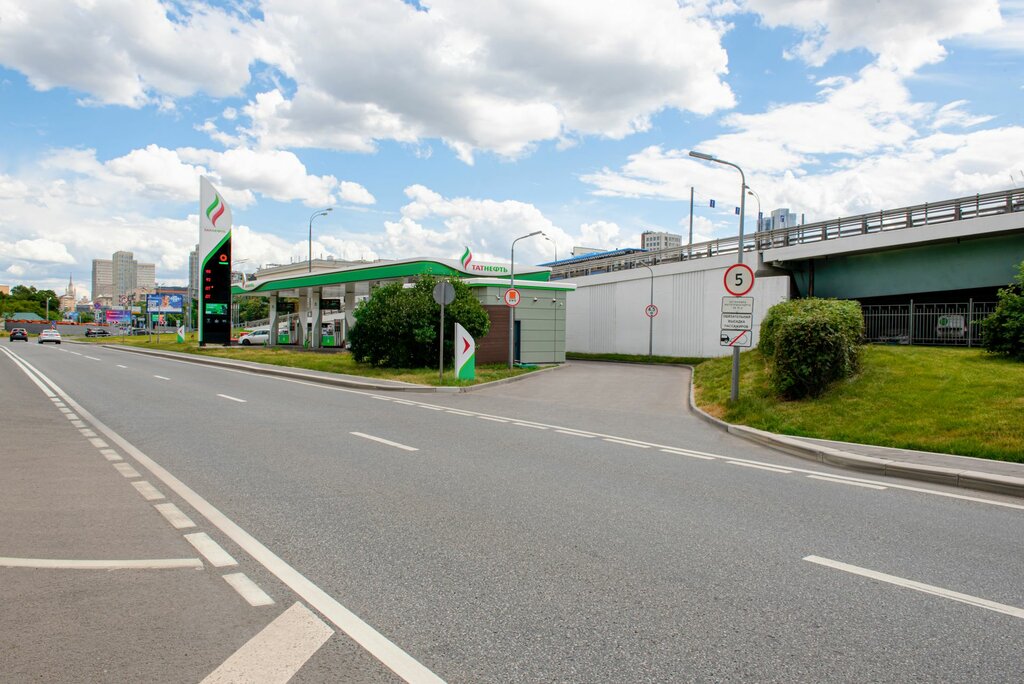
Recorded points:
919,586
854,483
226,396
687,453
393,657
59,564
576,434
530,425
624,442
747,464
384,441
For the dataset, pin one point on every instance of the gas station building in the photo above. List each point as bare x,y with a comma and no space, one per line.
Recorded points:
334,286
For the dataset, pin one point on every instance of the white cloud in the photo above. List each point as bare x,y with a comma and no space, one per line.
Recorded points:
126,52
38,250
355,193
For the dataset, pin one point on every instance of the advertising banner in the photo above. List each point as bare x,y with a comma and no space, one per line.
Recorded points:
164,303
119,317
215,271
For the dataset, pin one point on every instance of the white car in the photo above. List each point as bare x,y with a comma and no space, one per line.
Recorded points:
49,336
255,336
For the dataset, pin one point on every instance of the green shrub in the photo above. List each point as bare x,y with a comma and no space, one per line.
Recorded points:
809,344
399,327
1003,331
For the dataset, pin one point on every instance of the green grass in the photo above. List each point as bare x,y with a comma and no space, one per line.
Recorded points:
329,362
958,401
633,358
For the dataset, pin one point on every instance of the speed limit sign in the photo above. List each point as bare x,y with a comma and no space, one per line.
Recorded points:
651,310
739,280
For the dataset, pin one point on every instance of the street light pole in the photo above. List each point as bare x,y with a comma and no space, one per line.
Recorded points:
554,337
319,212
650,319
734,394
758,231
512,286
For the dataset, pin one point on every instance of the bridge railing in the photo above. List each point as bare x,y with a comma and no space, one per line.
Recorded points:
929,213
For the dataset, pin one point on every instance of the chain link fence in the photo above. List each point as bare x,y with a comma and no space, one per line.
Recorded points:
947,324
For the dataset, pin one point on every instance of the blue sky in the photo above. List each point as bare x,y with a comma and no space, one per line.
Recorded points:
432,126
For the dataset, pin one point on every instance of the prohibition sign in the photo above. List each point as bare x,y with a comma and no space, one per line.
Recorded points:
651,310
512,297
739,280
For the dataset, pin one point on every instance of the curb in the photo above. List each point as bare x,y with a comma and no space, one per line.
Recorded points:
284,372
953,477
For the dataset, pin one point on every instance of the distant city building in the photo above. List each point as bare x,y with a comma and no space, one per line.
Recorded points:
121,276
580,251
779,218
68,299
5,289
193,274
653,240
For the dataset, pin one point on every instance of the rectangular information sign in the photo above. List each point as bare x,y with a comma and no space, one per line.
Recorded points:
737,321
738,305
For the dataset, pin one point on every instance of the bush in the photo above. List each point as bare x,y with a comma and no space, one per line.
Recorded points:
809,344
399,327
1003,331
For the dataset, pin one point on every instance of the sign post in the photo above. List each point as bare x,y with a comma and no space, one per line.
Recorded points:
444,294
737,317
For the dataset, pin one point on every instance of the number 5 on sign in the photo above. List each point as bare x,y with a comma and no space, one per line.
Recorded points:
739,280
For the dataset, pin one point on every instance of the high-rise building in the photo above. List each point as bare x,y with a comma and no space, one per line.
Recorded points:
121,276
654,240
102,279
193,274
780,218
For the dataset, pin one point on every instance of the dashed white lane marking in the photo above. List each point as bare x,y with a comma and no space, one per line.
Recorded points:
79,424
531,425
248,589
760,467
492,419
384,441
148,491
126,470
120,366
836,480
92,357
211,550
625,443
65,409
160,377
110,454
76,353
374,396
60,564
432,408
98,443
687,453
919,586
178,520
225,396
86,432
276,653
576,434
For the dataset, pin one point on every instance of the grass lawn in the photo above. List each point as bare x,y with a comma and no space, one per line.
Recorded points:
330,362
948,400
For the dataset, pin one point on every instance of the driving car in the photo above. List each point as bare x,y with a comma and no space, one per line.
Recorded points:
255,336
49,335
97,332
19,334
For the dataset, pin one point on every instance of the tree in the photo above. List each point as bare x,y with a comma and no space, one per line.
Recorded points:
1003,331
253,308
398,326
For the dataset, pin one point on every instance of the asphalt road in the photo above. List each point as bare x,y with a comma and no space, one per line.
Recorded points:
578,526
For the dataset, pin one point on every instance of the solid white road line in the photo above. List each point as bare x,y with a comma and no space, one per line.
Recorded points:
148,491
691,455
211,550
492,419
853,483
179,520
625,443
56,564
458,413
576,434
919,586
773,469
432,408
126,470
248,589
225,396
276,653
160,377
384,441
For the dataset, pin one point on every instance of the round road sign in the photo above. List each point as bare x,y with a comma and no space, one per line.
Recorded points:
739,280
444,293
512,297
651,310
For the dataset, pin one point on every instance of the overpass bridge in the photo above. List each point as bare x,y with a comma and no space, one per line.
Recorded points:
943,261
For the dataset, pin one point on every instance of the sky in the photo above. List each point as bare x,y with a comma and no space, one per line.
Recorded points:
434,125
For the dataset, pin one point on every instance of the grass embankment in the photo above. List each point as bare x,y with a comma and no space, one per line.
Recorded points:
957,401
327,361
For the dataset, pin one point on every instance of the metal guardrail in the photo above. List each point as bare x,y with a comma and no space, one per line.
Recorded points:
947,324
929,213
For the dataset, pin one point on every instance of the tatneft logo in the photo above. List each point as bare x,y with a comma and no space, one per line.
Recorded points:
488,268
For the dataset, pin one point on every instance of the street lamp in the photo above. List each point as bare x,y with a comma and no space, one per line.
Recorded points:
512,286
755,196
319,212
650,318
735,390
554,346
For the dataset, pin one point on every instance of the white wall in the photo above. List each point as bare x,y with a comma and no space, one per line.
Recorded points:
606,312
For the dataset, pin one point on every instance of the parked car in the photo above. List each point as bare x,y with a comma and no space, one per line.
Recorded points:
19,334
139,331
97,332
255,336
49,335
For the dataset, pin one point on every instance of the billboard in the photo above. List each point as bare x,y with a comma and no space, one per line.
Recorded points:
164,303
119,316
